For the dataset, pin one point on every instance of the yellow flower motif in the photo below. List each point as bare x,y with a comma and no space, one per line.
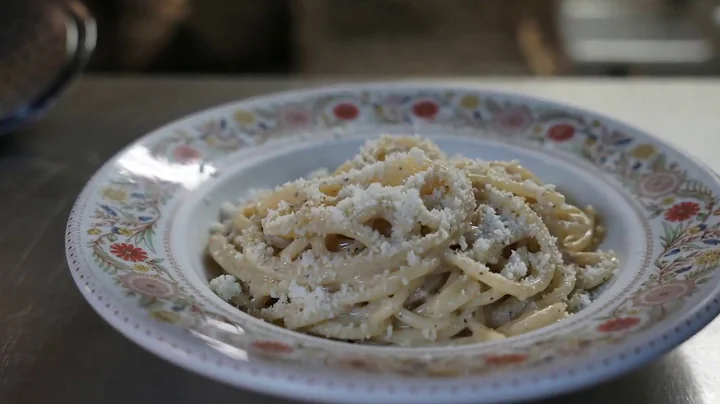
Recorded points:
141,267
537,128
244,117
717,212
643,151
94,231
469,102
165,316
114,194
596,123
590,141
125,232
708,258
668,201
694,230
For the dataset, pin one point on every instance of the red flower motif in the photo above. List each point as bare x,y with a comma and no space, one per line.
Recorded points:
346,111
128,252
185,154
561,132
618,324
272,347
682,211
425,109
505,359
512,120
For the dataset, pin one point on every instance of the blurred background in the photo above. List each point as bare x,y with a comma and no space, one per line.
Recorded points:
397,37
407,37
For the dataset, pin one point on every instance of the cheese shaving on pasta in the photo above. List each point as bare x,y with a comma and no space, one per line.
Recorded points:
403,245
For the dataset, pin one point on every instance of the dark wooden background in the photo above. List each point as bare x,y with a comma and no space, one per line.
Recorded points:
313,36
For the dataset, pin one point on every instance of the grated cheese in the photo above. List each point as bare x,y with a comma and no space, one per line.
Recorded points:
591,276
492,228
515,268
462,242
579,301
308,301
226,286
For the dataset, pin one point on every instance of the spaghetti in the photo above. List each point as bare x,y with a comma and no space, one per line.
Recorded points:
403,245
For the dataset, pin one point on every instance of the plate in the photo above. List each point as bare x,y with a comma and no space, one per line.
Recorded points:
136,234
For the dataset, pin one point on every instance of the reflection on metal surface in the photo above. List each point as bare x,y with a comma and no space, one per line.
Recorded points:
670,380
675,382
701,355
139,161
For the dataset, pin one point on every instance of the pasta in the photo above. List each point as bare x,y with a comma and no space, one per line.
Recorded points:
406,246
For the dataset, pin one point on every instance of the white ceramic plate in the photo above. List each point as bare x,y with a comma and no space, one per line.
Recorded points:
136,234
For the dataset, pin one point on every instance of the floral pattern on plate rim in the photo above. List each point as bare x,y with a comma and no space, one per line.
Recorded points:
121,238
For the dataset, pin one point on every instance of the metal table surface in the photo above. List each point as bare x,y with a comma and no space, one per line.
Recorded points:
55,349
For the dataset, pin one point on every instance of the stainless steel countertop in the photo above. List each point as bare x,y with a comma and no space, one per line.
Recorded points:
55,349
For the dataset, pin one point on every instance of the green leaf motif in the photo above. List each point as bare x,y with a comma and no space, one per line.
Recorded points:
669,233
148,237
672,233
